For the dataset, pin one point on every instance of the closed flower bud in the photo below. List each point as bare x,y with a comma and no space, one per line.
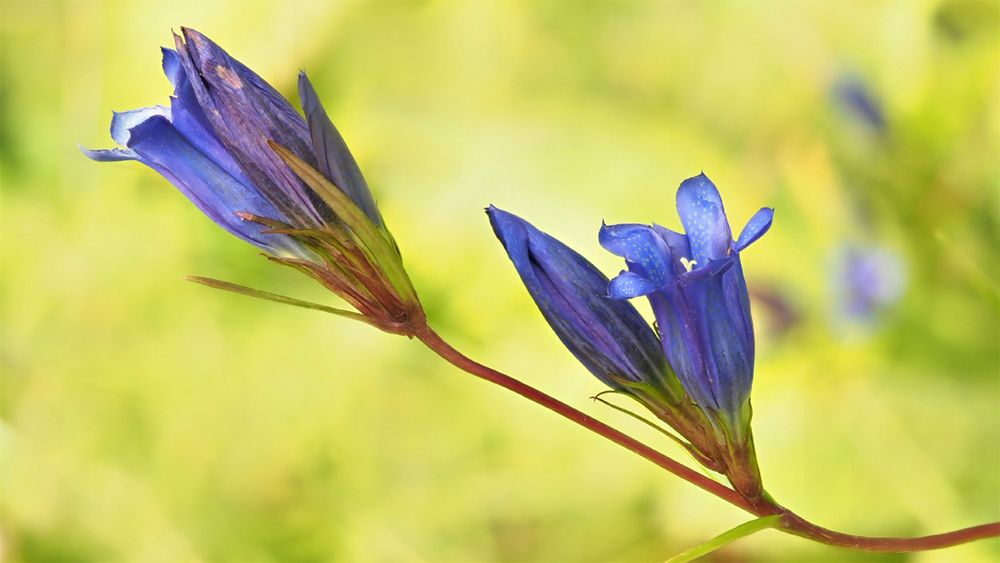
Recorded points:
608,337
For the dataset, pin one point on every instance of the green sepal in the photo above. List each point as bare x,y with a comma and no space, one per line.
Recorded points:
374,241
654,392
268,296
690,449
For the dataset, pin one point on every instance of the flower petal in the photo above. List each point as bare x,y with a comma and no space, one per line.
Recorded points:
700,208
755,227
678,245
334,159
123,121
109,155
645,252
628,285
245,113
190,120
219,196
172,65
708,336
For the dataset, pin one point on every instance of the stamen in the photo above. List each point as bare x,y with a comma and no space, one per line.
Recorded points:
688,264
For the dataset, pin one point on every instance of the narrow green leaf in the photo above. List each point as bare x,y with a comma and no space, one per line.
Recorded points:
743,530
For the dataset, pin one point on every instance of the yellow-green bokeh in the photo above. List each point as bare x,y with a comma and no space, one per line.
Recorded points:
148,419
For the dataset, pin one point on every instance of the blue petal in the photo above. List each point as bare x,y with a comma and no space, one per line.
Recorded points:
678,322
109,155
700,208
245,113
219,196
755,227
678,245
236,83
172,65
628,285
731,338
708,336
608,336
123,121
334,159
643,249
190,120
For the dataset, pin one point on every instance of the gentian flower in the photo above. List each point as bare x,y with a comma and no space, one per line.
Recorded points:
695,284
287,184
857,99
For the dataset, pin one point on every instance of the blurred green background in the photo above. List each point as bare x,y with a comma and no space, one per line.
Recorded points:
149,419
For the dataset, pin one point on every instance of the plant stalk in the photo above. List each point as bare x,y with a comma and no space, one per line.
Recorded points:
789,521
463,362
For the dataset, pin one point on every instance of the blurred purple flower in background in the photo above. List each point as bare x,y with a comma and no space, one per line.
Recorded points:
866,282
854,96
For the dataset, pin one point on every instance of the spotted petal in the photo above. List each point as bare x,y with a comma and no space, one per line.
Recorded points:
645,252
700,207
755,227
628,285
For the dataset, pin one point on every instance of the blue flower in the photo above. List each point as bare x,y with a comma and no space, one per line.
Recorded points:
213,144
857,99
610,338
288,184
867,280
695,284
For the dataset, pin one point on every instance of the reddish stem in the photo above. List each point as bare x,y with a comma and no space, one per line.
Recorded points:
459,360
790,522
795,524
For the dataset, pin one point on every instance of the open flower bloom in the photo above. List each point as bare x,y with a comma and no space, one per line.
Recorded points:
695,285
250,162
